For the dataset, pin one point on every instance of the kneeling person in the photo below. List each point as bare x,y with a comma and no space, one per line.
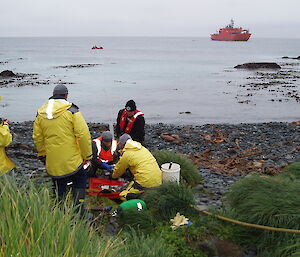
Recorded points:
103,153
142,165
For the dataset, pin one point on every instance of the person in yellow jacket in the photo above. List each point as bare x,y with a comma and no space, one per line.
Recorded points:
63,142
6,164
142,165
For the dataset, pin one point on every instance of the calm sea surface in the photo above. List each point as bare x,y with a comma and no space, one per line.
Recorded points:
165,76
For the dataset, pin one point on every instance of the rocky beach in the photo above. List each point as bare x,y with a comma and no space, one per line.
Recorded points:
223,153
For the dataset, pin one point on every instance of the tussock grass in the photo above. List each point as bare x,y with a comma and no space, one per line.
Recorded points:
33,225
188,171
138,244
272,201
291,172
292,250
143,221
168,199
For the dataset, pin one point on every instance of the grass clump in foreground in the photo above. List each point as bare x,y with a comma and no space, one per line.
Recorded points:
139,245
188,171
272,201
33,225
168,199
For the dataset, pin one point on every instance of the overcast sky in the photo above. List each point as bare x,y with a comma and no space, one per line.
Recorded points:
264,18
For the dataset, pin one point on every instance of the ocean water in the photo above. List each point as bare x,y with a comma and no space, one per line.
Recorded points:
165,76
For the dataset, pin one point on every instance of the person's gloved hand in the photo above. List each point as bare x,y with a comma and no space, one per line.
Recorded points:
105,166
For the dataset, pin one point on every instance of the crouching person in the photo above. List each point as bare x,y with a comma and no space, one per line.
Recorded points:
103,153
142,165
6,164
63,141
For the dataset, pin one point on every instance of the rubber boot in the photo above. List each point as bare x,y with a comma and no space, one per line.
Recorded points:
79,195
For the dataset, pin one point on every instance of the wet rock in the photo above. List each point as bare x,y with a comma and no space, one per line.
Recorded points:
22,80
258,65
279,85
76,66
198,188
293,58
7,74
222,248
250,253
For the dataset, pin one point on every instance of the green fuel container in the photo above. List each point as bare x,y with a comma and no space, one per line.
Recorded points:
133,204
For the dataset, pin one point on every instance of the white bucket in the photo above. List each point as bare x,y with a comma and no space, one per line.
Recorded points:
170,172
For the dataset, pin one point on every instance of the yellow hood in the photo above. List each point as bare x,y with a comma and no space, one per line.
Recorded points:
53,108
132,145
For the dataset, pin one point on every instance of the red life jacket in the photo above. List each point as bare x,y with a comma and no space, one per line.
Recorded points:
105,156
130,120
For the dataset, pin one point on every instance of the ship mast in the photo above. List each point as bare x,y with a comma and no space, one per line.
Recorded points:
231,24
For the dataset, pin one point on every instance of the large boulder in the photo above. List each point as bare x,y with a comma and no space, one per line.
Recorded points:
258,65
7,74
294,58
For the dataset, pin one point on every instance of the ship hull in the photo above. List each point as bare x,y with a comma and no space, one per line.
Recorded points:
231,37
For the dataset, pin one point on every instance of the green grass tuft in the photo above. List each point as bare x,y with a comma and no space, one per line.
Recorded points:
137,244
168,199
143,221
271,201
291,172
180,241
33,225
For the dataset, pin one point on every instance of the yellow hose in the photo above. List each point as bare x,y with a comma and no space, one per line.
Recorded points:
294,231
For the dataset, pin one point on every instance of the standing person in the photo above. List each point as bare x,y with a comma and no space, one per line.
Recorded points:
6,164
141,164
63,141
131,121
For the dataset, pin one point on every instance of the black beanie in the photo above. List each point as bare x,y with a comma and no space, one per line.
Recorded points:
130,106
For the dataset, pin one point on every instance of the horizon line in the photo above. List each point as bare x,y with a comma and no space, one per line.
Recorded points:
136,36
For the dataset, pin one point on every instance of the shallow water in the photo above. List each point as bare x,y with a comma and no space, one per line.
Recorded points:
165,76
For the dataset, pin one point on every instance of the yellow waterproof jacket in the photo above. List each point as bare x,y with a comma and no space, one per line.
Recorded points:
6,164
141,163
61,134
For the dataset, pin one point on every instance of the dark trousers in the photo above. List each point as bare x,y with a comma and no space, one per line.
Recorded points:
79,179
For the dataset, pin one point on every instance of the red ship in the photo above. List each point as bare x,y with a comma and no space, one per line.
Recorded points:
229,33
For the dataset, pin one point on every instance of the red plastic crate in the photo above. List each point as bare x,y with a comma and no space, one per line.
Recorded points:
96,185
